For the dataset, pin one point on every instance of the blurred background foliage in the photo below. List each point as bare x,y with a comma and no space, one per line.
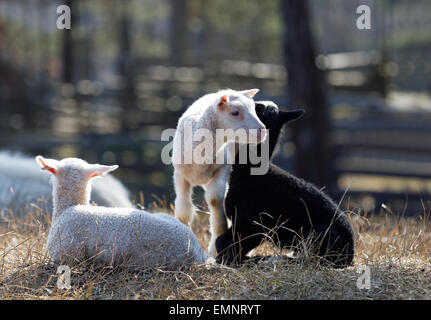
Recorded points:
106,89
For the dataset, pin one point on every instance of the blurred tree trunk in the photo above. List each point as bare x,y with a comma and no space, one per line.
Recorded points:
126,70
178,31
125,60
305,89
68,47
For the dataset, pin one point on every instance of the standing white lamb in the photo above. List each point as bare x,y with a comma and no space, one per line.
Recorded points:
22,185
226,109
113,236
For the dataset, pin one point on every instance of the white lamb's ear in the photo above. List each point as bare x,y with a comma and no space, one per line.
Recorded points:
250,93
224,100
47,164
98,170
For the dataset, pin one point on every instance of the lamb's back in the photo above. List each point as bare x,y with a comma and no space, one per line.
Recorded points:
197,114
281,193
135,236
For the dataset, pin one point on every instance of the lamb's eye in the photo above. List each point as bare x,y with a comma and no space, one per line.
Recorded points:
235,113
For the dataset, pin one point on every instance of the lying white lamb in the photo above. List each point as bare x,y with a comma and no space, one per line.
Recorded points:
21,185
113,236
228,110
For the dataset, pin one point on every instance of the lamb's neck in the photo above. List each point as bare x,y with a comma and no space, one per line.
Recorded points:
219,141
65,196
273,139
241,168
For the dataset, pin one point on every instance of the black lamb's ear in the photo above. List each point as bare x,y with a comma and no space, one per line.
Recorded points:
291,115
260,109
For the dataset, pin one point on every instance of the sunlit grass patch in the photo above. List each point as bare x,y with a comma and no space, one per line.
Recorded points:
397,251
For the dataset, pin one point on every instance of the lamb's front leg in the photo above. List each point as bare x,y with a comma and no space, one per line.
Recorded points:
233,246
183,201
215,192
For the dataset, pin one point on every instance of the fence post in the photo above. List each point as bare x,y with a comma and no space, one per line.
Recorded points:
305,90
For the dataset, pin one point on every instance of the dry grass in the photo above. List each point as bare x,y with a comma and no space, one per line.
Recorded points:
397,251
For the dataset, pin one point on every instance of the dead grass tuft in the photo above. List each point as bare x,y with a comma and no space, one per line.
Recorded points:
396,250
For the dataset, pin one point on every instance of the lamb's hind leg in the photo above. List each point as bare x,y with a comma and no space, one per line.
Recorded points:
215,192
183,200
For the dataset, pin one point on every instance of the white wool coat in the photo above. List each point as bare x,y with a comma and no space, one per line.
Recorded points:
115,236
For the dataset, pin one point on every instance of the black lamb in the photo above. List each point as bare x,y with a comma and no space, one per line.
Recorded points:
281,206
